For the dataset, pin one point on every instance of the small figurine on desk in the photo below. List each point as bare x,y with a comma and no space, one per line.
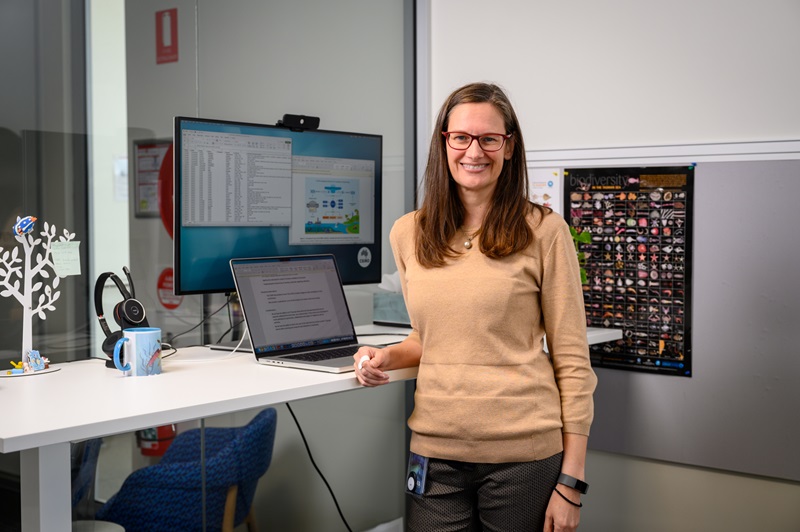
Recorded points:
36,361
18,368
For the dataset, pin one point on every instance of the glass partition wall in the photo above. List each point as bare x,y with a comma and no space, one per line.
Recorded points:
63,161
44,142
45,174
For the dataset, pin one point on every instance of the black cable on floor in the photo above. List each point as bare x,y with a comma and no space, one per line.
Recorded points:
308,450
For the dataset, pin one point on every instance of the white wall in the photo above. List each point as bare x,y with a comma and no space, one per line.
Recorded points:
627,73
621,73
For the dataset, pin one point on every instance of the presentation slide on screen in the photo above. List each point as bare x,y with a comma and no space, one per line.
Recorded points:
332,201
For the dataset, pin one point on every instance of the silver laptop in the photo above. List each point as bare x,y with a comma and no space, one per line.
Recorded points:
296,312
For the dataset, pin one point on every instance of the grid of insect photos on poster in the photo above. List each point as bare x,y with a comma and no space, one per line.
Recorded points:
632,232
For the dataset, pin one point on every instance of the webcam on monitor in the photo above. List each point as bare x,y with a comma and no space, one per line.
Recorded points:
299,122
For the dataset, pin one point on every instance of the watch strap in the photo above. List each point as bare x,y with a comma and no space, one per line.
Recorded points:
573,482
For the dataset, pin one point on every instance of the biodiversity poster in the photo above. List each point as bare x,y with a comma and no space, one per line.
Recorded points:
632,230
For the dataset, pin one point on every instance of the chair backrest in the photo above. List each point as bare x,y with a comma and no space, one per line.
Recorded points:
169,493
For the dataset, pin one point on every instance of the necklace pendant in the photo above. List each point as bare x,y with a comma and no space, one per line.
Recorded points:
468,244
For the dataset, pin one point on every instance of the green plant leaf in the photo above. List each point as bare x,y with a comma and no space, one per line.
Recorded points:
581,238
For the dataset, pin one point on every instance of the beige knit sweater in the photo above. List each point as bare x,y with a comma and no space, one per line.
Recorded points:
486,390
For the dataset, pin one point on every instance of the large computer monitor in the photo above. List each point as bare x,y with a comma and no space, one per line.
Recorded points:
252,190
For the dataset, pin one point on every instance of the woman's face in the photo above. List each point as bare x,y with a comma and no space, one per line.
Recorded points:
473,169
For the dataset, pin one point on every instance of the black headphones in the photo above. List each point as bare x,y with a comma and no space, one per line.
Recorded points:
128,313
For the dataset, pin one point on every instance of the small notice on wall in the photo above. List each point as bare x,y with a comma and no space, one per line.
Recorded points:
167,36
149,156
545,187
636,252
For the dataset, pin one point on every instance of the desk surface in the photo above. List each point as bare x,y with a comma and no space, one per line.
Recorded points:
84,399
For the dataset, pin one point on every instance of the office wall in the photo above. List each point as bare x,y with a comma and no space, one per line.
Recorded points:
625,74
628,73
256,60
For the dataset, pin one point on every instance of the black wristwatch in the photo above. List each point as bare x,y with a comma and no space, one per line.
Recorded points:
573,482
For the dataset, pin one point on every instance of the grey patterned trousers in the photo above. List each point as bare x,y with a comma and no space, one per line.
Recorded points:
461,496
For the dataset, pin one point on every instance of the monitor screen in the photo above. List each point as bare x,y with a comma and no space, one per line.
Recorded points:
248,190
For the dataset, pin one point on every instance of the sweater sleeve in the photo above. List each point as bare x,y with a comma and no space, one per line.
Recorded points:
565,328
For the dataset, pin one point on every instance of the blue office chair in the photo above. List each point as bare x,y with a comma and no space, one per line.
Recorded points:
167,496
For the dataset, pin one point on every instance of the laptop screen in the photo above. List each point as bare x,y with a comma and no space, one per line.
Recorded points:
292,303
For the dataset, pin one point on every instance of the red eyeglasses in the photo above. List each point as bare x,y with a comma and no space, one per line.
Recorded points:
459,140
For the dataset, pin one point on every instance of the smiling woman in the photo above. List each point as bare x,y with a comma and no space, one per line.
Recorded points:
491,407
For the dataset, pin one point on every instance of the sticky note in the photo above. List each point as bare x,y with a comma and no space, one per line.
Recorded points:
66,258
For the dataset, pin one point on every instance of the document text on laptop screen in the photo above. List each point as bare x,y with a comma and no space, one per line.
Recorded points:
293,303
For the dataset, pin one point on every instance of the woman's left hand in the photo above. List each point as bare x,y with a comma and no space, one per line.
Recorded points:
562,516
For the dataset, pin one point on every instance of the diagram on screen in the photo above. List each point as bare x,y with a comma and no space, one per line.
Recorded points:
332,206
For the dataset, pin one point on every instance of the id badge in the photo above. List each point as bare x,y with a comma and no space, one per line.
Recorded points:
415,476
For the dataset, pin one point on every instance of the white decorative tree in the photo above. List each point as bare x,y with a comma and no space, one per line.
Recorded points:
18,276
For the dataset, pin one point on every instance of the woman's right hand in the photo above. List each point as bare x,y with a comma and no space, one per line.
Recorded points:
368,362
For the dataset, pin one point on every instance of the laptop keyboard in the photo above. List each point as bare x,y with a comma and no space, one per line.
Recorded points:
325,355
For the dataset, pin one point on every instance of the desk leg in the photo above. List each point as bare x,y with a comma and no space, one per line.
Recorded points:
45,488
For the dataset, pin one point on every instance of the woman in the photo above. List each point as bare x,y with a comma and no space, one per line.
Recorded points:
486,274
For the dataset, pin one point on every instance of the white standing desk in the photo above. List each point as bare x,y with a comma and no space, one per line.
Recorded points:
44,413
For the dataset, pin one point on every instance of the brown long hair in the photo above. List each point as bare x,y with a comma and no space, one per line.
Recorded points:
504,230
